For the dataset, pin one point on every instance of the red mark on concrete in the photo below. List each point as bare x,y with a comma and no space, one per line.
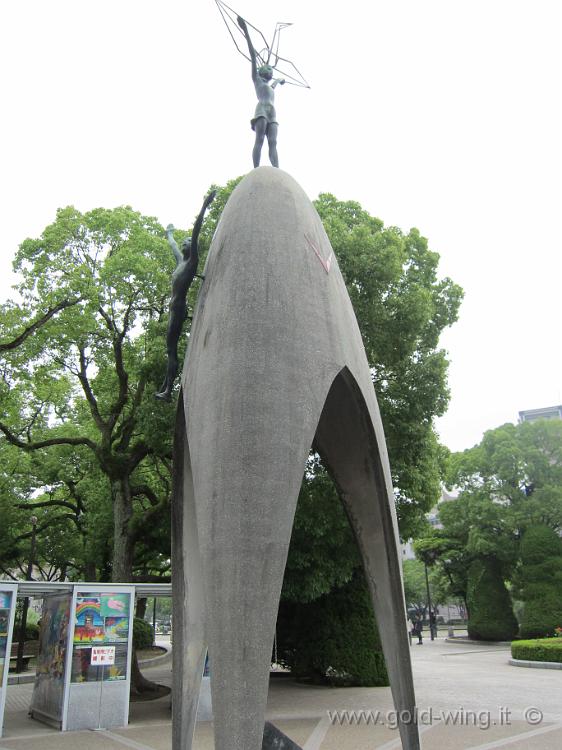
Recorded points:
326,264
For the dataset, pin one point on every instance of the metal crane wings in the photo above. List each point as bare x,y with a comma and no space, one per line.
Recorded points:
269,53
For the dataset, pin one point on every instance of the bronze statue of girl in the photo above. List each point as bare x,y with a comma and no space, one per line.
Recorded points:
264,122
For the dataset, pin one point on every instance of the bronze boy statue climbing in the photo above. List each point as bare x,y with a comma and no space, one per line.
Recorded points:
182,278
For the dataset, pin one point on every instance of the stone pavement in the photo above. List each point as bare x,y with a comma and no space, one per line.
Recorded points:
469,698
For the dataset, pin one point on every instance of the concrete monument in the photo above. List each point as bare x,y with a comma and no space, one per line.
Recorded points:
275,365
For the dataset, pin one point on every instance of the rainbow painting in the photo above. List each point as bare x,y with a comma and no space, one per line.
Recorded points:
89,624
91,605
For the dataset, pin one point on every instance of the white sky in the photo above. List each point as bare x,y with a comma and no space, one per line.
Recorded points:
439,114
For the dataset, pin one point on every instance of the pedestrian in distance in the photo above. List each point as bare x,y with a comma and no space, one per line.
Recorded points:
418,630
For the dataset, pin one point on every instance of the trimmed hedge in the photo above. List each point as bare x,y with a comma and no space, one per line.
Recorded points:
143,634
541,559
490,615
333,639
542,649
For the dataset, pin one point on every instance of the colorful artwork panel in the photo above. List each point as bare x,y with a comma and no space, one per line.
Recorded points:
52,637
5,599
4,621
3,645
89,625
48,691
88,611
115,605
117,671
89,633
84,671
116,629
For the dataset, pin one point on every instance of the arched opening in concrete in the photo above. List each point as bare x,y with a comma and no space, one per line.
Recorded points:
352,450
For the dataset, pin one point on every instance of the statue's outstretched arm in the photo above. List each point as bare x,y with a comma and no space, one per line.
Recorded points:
172,243
199,221
278,81
252,51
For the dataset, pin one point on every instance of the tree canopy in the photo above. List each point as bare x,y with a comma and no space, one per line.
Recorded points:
84,442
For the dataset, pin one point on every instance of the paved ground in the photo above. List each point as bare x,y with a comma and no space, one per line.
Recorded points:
469,698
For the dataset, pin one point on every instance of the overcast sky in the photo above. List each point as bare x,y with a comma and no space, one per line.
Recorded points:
443,115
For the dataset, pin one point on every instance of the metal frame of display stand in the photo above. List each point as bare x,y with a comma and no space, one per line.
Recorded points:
12,589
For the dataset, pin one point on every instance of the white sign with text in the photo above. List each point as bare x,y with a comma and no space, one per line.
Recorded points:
103,656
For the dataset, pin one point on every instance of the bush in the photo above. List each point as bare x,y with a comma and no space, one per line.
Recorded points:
333,639
143,634
542,649
490,615
541,577
31,631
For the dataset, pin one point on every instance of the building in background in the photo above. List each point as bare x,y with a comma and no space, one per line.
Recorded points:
547,412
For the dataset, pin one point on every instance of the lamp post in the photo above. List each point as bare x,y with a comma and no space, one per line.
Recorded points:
23,624
431,631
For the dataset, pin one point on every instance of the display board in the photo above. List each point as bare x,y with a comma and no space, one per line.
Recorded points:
99,661
84,663
8,594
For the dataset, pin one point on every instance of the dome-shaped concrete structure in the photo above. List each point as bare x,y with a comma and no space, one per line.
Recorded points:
275,364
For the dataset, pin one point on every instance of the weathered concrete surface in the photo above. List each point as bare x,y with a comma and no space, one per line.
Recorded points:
275,361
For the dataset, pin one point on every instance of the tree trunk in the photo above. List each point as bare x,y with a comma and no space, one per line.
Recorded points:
139,683
141,607
122,543
123,565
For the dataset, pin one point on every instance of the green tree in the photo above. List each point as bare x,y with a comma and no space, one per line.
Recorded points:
508,483
473,528
77,395
519,466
